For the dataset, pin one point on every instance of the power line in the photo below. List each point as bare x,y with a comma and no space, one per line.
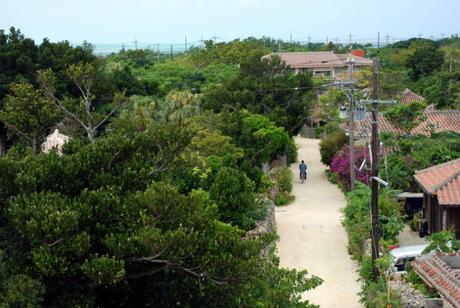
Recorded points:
186,44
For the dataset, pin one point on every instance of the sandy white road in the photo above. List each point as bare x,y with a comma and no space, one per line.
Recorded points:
312,237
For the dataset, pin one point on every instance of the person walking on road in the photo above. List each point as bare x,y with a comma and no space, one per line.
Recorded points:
303,171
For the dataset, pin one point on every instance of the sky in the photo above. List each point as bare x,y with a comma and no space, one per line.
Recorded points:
169,21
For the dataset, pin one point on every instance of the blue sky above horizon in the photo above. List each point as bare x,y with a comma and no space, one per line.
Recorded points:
168,21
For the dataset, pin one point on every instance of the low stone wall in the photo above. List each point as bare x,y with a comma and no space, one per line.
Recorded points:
410,297
265,226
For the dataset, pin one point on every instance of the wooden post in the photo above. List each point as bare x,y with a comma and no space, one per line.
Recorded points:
351,127
375,145
444,219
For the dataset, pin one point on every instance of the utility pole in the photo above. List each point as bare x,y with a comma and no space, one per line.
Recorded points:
375,145
309,39
387,38
290,38
350,39
186,43
135,42
171,51
378,40
331,96
352,124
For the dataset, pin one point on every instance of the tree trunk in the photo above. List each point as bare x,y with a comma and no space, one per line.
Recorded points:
2,140
91,134
34,145
2,145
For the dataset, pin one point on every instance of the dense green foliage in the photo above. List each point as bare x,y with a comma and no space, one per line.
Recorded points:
429,68
27,114
443,241
357,221
416,153
331,144
108,217
266,86
426,58
283,182
406,116
150,202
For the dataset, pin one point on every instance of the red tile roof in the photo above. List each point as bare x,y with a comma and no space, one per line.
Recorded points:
436,121
443,181
439,275
407,97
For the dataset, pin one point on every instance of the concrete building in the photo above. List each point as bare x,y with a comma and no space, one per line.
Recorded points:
322,63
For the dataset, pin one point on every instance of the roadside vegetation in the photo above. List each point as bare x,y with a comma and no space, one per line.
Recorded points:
150,201
429,68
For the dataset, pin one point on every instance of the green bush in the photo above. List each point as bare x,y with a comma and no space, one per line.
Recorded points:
283,199
416,153
443,241
331,176
330,145
357,221
283,180
374,294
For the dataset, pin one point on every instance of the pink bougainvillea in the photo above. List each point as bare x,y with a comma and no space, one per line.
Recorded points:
341,164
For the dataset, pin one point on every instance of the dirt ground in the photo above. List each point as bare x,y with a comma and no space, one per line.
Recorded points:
311,234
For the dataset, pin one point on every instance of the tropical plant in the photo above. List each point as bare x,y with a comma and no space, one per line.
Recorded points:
442,241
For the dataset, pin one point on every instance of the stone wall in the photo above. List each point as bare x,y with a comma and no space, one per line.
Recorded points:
410,297
265,226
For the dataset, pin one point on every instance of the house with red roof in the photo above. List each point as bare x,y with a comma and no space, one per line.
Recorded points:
435,121
441,196
322,63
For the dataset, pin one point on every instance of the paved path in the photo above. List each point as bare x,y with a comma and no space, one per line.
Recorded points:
312,237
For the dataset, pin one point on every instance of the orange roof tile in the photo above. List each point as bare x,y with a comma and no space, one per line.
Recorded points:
408,97
436,121
442,180
439,275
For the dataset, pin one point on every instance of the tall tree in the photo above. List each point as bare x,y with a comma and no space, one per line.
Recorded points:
28,114
452,52
82,75
426,58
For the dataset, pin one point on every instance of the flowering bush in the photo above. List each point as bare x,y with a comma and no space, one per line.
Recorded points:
341,164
